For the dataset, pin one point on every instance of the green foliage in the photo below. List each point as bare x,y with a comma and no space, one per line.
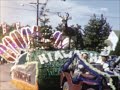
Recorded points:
11,28
59,27
44,20
96,31
46,31
1,33
117,49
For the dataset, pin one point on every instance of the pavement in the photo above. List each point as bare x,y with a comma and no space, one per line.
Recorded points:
5,79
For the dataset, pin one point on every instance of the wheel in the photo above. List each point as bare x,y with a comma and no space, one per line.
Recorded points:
66,86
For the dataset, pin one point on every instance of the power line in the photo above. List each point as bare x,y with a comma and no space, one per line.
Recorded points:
17,8
14,0
53,12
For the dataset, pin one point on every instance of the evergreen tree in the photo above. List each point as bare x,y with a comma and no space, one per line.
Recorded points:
45,29
96,31
79,38
59,27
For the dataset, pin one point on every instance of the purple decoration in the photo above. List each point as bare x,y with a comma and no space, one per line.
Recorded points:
1,52
24,32
56,34
13,45
3,47
29,32
36,34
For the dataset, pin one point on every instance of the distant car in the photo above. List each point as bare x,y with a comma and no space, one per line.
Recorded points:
89,82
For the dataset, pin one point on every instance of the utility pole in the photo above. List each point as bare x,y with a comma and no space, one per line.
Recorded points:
37,10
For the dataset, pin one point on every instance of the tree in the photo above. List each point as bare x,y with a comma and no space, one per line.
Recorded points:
79,37
96,31
45,29
117,49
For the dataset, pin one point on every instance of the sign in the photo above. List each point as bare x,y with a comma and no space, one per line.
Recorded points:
26,73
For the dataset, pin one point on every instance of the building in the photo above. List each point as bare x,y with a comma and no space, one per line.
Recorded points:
112,40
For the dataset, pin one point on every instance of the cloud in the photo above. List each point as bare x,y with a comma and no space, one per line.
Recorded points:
104,9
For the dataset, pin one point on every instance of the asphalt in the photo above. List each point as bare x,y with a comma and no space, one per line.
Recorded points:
5,79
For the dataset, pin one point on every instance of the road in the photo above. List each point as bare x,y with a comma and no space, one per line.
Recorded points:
5,79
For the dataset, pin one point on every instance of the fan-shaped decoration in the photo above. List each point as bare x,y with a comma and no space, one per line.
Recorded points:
12,45
17,41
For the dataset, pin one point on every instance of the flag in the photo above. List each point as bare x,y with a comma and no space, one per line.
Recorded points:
17,25
4,28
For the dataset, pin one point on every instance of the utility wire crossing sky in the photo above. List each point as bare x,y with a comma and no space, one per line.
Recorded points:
12,11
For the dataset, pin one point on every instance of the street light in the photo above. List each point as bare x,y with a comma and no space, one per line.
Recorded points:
27,4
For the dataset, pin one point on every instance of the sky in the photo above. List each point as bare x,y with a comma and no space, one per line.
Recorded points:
12,11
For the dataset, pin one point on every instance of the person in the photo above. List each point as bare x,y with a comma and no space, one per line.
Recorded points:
84,56
104,61
79,72
79,69
75,61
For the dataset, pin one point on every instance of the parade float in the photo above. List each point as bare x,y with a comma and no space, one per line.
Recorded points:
39,68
